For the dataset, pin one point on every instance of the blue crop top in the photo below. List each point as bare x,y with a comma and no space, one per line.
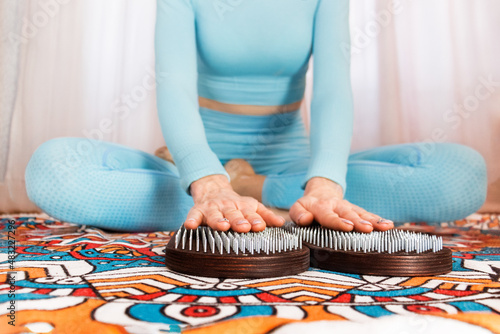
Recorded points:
253,52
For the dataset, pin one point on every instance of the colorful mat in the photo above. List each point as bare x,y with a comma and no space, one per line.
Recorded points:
75,279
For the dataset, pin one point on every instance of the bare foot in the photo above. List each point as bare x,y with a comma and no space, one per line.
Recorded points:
239,168
282,213
242,175
246,182
164,154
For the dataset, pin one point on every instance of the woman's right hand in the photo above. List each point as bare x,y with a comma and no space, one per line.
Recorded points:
217,205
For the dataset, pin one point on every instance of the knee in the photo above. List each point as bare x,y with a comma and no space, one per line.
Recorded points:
41,160
45,169
463,162
53,150
462,181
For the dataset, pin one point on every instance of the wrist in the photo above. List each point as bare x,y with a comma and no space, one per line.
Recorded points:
209,183
323,184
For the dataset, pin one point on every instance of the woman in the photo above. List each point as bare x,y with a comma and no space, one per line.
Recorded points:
232,80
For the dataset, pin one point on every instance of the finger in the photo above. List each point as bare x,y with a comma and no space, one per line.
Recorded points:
257,222
237,221
270,218
328,218
379,223
384,224
333,221
216,220
300,215
324,213
344,210
194,219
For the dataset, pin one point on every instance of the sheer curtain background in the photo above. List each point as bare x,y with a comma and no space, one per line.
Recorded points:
422,71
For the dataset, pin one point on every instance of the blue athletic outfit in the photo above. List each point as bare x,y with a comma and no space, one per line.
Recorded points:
257,53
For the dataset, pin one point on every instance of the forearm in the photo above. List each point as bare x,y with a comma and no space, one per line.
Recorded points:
331,134
332,101
177,96
189,148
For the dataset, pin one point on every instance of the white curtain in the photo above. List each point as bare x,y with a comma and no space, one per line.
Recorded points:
9,70
429,71
85,68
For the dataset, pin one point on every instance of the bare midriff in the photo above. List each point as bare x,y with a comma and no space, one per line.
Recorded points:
246,109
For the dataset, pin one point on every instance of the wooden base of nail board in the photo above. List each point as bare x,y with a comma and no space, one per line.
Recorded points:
231,265
383,264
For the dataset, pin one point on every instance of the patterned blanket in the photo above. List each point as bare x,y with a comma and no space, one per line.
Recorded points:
62,278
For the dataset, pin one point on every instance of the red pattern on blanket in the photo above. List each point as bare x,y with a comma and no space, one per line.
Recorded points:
81,279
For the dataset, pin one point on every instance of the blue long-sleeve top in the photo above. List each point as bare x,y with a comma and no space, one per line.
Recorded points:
253,52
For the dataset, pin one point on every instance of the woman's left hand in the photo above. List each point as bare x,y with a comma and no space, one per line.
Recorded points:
323,201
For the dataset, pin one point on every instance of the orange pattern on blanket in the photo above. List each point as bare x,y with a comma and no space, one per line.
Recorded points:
75,319
475,284
29,272
94,281
266,325
259,325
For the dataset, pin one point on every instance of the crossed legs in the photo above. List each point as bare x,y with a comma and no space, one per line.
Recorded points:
112,186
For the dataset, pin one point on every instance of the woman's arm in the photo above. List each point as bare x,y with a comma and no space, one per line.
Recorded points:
176,68
332,101
331,128
202,175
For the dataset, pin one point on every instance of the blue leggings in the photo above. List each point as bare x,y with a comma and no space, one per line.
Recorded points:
115,187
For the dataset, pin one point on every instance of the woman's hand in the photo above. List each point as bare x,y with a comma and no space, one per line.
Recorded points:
217,205
323,201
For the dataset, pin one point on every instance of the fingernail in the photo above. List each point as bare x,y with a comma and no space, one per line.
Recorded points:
223,220
241,222
283,220
300,216
365,222
189,222
256,222
348,222
386,222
